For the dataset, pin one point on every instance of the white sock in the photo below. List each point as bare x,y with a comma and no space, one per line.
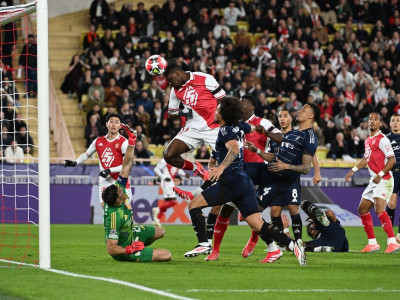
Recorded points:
272,247
291,246
204,244
197,191
372,241
391,240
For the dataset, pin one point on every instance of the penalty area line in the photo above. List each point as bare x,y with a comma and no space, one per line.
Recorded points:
111,280
377,290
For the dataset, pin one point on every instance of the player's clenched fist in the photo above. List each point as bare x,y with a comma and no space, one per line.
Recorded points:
70,163
105,173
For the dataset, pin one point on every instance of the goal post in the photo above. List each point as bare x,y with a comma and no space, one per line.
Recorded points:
25,182
43,136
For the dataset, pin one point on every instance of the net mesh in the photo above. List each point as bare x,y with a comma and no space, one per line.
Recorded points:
18,149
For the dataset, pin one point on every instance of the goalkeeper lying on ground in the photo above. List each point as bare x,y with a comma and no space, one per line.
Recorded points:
126,242
325,230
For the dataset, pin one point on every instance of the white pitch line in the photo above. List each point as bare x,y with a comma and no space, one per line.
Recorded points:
116,281
378,290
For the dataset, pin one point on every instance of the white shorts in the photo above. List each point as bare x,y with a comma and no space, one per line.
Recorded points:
167,187
195,138
381,190
106,183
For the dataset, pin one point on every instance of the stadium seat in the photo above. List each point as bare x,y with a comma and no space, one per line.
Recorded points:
84,99
322,152
243,24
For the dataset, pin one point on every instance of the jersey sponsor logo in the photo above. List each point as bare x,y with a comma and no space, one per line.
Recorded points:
107,157
190,97
287,145
113,234
396,148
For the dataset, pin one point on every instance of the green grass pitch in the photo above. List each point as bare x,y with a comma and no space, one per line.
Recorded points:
80,249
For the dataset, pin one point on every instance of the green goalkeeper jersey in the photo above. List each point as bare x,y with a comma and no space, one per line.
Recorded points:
118,224
118,220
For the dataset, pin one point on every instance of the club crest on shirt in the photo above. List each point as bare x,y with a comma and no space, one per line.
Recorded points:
116,145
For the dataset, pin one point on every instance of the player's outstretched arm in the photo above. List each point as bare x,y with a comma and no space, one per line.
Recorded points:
363,163
264,155
277,137
128,158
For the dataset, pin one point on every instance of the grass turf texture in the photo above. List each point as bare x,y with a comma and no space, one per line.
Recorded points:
81,249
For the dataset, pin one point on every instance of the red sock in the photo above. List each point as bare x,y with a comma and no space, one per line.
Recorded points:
164,207
386,224
368,225
187,165
219,230
254,236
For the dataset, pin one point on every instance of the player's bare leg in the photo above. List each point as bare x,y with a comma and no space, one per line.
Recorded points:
172,156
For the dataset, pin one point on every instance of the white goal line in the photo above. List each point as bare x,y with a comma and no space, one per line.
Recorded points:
116,281
377,290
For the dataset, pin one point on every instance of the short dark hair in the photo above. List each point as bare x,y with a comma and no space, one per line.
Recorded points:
230,109
395,115
110,194
316,111
113,115
376,113
251,99
172,66
310,228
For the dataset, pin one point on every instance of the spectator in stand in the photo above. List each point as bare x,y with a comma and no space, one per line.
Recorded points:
99,13
75,72
14,154
122,37
96,86
95,98
344,78
90,37
219,27
93,130
338,147
96,110
25,141
114,17
202,153
141,152
231,14
5,136
28,62
112,93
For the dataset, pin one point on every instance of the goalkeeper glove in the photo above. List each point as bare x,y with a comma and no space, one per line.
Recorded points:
131,134
134,247
69,163
105,173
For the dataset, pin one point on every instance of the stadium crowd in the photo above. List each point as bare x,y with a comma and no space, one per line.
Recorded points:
342,55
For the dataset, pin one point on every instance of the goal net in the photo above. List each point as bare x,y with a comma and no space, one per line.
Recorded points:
24,166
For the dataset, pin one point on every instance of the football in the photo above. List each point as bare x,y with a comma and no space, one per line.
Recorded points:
156,65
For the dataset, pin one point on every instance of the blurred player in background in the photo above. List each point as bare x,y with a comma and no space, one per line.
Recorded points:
167,175
379,157
394,138
126,242
110,149
325,230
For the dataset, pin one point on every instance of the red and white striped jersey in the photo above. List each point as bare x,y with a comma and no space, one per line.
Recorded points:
377,151
261,141
199,93
111,153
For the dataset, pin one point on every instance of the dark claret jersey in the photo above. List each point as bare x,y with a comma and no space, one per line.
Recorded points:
395,142
225,134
